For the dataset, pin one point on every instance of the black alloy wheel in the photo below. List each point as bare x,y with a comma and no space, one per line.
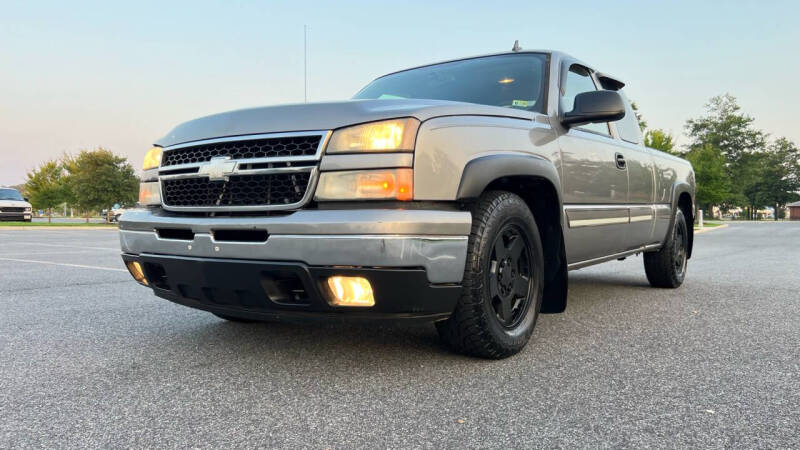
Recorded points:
503,280
666,268
509,275
679,245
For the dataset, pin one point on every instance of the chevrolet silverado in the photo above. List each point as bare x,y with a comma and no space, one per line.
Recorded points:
459,193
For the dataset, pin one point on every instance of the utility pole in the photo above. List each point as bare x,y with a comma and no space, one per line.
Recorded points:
305,64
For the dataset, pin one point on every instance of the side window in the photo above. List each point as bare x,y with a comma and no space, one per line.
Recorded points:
580,80
628,126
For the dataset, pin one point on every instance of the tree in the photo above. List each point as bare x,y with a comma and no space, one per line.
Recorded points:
731,132
749,179
780,176
726,128
46,187
713,183
656,138
639,117
660,140
99,179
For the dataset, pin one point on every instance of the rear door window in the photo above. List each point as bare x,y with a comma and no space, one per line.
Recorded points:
628,126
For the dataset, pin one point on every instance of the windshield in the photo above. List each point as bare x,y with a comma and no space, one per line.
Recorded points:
10,194
513,81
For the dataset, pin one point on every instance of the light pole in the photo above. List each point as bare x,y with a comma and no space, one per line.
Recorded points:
305,64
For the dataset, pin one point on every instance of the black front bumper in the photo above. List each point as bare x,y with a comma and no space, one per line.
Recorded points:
267,290
14,217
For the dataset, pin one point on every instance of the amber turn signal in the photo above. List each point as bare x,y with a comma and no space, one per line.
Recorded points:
387,184
149,193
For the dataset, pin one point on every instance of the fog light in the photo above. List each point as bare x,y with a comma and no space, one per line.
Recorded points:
136,271
350,291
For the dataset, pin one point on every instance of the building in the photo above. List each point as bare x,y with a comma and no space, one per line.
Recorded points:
794,210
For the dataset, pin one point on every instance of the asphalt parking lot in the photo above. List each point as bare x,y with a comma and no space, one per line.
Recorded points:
88,358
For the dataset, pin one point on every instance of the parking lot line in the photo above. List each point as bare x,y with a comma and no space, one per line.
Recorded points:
62,264
116,249
13,253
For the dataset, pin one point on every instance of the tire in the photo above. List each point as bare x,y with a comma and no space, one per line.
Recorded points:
503,280
234,319
666,268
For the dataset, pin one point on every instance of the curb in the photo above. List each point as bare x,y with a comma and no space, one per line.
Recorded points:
705,230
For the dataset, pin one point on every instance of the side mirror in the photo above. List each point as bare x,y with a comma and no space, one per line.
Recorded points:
26,199
595,107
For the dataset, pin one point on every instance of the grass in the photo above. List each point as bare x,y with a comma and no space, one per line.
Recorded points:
55,224
707,224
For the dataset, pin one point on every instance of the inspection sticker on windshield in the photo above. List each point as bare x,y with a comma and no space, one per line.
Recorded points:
522,103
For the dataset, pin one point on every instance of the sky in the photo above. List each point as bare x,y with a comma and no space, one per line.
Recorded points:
77,75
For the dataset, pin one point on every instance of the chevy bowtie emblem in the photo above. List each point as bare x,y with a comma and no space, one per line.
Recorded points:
219,168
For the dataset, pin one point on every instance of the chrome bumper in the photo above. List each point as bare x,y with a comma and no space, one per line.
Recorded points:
433,239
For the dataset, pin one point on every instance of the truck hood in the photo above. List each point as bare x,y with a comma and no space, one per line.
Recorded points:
14,203
324,116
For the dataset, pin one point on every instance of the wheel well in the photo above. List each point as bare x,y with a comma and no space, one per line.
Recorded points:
685,204
542,199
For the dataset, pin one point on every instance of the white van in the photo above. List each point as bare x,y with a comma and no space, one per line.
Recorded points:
13,206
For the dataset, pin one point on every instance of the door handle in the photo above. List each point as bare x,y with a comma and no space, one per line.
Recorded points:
620,161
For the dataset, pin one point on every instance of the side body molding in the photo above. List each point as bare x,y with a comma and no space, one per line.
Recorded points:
481,171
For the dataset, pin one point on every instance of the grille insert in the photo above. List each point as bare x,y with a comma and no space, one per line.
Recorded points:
240,235
254,148
175,233
17,209
239,190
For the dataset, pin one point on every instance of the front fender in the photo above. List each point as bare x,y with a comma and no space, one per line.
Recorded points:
481,171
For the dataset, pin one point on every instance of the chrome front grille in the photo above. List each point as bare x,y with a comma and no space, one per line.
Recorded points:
242,173
276,147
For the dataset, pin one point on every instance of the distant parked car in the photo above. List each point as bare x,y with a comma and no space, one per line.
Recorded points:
13,206
116,211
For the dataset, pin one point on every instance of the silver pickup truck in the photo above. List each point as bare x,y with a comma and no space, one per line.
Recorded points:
459,193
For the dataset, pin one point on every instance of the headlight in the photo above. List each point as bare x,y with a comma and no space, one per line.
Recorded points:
27,209
386,184
152,158
396,135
